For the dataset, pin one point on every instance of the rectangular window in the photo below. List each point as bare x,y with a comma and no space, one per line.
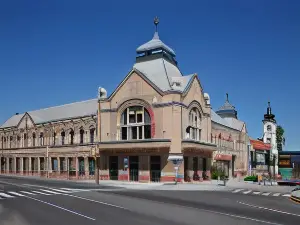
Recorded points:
132,117
140,132
147,131
139,118
124,133
134,132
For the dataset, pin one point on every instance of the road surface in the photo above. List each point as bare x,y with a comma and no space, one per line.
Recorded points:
35,202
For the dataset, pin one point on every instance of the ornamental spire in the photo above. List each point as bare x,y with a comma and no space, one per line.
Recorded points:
156,22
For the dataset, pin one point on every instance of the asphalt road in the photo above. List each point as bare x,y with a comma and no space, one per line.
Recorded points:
35,202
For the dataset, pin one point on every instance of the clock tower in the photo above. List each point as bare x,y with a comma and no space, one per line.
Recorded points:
269,136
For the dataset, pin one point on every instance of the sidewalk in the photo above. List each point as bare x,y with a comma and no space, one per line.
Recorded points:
235,184
212,185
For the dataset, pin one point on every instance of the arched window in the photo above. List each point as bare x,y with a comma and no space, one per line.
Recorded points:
4,142
18,141
81,132
54,138
33,139
63,134
135,123
72,137
92,134
41,139
10,141
269,128
25,140
193,130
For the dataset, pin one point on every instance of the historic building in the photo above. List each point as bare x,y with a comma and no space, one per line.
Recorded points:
155,113
232,140
264,154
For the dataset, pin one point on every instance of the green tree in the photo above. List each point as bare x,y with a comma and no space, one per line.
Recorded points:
280,138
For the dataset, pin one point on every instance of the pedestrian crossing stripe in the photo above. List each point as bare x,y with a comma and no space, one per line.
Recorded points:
49,191
15,193
5,195
246,192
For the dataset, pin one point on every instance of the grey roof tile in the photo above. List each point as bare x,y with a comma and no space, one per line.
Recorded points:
153,44
72,110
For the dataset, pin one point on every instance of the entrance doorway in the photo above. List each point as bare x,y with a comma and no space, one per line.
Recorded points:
113,167
155,168
186,166
133,168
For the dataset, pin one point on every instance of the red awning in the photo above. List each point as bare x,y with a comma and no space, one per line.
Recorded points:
260,145
223,157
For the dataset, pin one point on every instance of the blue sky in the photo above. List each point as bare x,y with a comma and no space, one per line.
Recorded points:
57,52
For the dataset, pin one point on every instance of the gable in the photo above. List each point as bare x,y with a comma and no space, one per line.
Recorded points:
134,86
194,93
25,122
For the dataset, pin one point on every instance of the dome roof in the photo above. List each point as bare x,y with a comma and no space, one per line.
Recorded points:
155,44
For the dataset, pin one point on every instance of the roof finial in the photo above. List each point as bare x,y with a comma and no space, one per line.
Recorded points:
156,22
269,104
227,97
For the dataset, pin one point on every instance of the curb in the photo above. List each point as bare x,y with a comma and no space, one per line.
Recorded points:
295,199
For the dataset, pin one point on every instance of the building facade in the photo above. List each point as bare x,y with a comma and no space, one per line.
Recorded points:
155,113
232,140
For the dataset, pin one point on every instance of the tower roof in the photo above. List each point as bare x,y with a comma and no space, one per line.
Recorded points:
269,116
155,43
227,110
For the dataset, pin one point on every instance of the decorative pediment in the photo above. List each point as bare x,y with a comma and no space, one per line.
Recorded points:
26,122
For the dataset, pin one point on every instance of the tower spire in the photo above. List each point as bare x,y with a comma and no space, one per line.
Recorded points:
156,22
227,97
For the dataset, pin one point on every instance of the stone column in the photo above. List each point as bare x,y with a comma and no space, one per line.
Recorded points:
21,165
15,165
58,165
200,168
66,164
49,164
77,167
7,164
86,166
29,165
39,164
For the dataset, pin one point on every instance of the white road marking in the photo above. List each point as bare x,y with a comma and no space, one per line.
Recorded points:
286,195
256,192
58,190
59,207
237,190
51,192
273,210
247,192
91,200
73,189
241,217
276,194
6,195
266,194
26,192
15,193
42,193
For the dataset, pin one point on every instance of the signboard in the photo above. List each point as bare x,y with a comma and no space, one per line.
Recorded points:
284,162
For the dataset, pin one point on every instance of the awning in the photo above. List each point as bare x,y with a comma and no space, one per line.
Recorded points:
223,157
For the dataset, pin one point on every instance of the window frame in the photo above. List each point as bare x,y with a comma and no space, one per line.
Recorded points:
194,124
139,113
